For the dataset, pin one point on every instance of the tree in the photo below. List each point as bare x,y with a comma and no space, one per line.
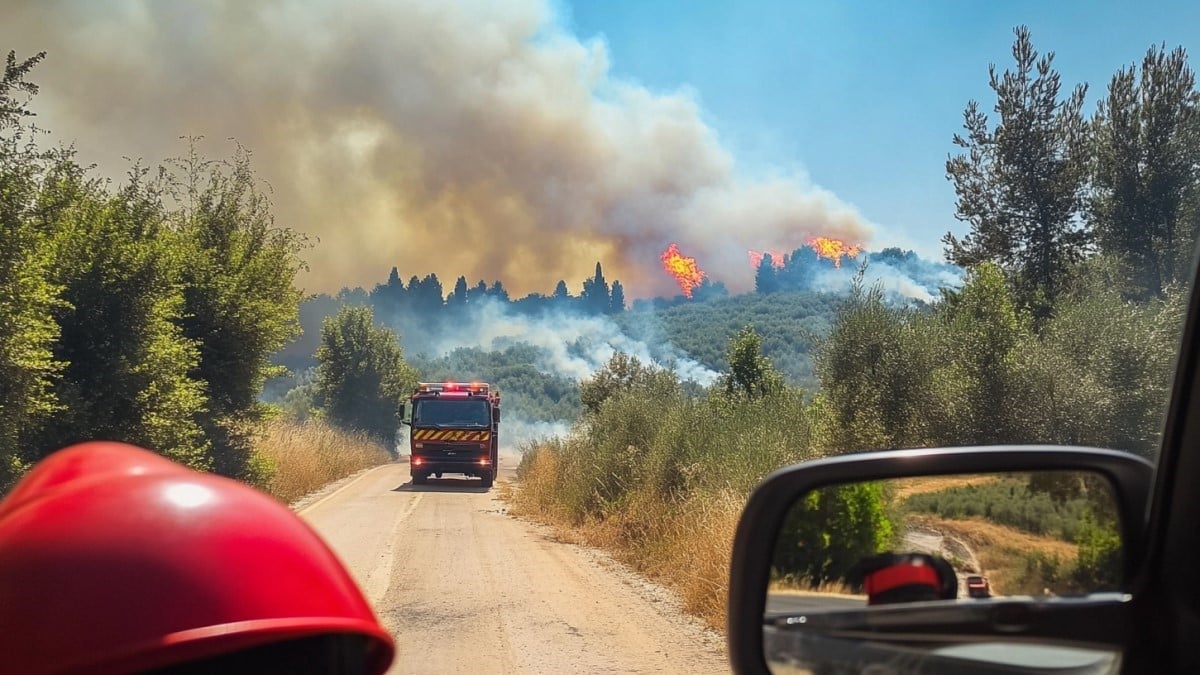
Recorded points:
458,298
390,298
127,363
828,531
241,304
983,331
361,374
876,371
765,277
1147,170
750,373
560,291
710,290
427,295
596,299
617,303
478,292
497,291
1019,184
623,373
27,329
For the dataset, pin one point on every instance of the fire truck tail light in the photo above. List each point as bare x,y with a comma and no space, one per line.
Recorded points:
417,461
484,462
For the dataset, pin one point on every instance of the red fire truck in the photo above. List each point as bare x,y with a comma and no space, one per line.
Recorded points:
453,430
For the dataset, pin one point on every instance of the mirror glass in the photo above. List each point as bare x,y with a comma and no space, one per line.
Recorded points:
849,554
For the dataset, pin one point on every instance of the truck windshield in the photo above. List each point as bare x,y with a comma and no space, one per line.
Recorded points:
449,412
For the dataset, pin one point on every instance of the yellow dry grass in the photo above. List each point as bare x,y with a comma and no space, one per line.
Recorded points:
1002,551
306,456
907,487
684,546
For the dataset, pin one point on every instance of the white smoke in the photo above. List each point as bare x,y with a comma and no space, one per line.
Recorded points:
569,345
572,345
519,434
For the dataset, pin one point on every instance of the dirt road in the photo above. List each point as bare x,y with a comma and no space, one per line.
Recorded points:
466,588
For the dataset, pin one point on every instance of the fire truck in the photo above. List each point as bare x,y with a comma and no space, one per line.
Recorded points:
453,429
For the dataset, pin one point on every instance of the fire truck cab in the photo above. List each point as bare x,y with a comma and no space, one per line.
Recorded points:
453,429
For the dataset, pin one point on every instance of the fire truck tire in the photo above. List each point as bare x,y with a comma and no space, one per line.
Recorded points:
419,478
487,478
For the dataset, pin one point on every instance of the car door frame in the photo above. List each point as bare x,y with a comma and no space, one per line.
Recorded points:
1165,606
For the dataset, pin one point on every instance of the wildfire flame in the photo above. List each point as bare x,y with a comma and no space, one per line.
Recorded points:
833,249
777,259
683,268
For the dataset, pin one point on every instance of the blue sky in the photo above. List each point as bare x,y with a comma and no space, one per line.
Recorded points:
864,97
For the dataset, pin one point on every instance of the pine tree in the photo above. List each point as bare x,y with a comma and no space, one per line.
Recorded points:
477,292
458,297
617,303
1019,185
1147,170
766,279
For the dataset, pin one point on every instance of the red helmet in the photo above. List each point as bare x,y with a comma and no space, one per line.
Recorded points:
116,560
889,578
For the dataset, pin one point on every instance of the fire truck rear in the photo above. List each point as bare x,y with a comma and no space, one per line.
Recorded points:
453,430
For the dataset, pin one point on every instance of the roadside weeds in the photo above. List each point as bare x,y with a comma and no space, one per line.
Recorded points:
305,457
683,545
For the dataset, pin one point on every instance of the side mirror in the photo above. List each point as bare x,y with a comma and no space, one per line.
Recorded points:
953,560
495,414
402,413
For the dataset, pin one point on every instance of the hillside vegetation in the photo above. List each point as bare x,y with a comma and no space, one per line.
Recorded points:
1064,332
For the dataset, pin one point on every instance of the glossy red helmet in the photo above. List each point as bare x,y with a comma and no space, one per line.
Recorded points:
116,560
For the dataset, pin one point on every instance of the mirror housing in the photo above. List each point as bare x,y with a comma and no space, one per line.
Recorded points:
1131,478
402,413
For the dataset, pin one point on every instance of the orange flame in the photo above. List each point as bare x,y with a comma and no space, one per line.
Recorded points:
833,249
683,268
777,259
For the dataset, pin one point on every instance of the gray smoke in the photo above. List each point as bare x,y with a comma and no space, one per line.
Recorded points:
457,137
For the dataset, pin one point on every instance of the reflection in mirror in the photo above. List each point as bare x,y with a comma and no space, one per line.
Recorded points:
847,552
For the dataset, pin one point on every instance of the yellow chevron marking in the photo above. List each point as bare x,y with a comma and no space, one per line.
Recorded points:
451,435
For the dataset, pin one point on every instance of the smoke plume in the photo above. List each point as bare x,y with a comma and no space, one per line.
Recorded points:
572,345
474,138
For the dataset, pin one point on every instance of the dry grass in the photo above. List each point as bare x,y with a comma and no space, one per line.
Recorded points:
803,587
685,546
1003,551
907,487
304,457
